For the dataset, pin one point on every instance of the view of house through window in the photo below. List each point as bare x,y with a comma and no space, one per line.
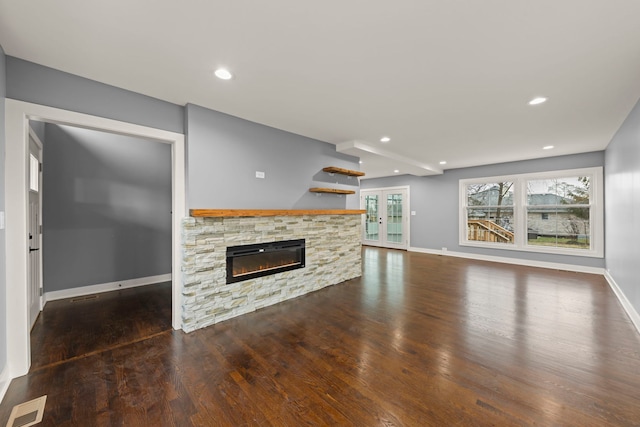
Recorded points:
532,211
490,212
558,212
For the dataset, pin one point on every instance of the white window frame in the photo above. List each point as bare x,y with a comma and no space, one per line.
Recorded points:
596,215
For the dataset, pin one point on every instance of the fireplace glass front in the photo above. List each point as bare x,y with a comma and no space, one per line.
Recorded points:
251,261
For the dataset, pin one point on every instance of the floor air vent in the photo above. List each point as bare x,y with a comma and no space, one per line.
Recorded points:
28,413
84,298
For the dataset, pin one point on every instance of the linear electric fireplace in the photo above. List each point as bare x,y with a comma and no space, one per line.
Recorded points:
251,261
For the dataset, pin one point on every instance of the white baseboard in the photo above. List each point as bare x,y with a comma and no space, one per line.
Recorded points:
5,380
515,261
105,287
626,304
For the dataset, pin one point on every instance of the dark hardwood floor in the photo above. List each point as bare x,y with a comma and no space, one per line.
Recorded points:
68,329
419,340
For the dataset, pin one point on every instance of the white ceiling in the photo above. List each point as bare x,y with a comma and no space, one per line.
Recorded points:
445,79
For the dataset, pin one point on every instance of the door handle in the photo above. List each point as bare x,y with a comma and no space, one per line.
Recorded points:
33,249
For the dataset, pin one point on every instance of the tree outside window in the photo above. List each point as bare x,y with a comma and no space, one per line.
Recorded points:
490,212
565,203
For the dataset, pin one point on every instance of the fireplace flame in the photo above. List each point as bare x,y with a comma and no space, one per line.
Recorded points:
249,265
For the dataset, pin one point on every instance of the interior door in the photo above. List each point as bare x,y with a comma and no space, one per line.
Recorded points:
35,235
386,221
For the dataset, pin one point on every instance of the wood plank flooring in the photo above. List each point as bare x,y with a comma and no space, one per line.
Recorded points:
73,328
418,340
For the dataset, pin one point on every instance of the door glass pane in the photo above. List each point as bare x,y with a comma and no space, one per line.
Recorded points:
34,169
371,222
394,218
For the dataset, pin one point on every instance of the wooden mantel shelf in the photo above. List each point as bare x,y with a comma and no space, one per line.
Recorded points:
271,212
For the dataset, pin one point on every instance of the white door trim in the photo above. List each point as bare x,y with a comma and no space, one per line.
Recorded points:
17,116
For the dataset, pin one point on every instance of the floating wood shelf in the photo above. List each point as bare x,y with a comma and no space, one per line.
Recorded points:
333,170
331,190
271,212
341,171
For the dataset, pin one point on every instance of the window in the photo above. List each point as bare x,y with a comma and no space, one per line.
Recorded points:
34,173
554,212
489,212
566,202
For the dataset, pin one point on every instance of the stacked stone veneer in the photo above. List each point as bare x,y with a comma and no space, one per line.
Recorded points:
333,255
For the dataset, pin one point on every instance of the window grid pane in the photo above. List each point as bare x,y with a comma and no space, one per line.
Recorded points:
490,212
492,224
394,218
565,227
34,173
561,191
490,194
558,212
371,224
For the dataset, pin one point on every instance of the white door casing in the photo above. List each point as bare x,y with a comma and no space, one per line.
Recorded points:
17,116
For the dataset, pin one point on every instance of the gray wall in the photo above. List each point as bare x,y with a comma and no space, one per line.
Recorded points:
224,153
30,82
3,285
436,202
106,208
38,128
622,189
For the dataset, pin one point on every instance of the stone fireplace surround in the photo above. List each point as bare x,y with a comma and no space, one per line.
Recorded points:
333,255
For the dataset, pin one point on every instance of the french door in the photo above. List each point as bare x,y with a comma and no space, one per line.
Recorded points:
386,221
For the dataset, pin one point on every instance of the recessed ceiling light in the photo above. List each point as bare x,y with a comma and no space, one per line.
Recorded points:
443,162
360,162
396,171
547,147
538,100
223,74
385,139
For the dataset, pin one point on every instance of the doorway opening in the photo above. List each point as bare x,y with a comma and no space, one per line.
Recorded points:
106,226
386,222
18,115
